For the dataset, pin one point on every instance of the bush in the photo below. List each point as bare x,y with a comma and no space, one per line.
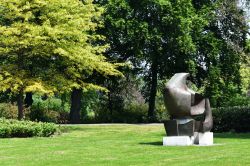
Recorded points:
238,100
43,115
133,113
8,110
49,110
231,119
14,128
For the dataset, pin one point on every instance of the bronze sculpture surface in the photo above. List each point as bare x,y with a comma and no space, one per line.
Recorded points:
183,104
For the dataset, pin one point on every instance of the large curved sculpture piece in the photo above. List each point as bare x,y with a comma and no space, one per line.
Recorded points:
183,104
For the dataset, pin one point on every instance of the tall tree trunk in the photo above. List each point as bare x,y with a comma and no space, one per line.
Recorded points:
110,107
153,90
20,105
28,99
76,96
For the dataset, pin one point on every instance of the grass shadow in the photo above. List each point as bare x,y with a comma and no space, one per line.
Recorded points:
158,143
232,135
68,129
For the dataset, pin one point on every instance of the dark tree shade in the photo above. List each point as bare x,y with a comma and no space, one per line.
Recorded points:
76,96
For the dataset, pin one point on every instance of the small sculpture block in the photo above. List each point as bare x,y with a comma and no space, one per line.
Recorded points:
206,138
178,141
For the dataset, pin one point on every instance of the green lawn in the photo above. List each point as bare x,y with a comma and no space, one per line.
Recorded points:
121,145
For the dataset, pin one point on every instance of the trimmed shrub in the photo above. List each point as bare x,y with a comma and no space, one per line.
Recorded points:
14,128
234,119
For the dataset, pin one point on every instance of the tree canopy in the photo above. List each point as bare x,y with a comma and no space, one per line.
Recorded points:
157,35
50,45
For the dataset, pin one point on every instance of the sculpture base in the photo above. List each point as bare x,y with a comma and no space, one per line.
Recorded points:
202,139
206,138
178,141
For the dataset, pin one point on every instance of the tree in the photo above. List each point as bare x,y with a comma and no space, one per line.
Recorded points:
49,45
220,50
245,72
205,38
155,35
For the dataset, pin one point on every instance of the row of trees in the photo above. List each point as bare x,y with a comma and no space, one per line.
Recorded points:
72,46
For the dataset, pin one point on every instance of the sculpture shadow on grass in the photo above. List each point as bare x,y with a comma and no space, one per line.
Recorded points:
232,135
157,143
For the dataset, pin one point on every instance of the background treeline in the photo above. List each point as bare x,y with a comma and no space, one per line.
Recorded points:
67,61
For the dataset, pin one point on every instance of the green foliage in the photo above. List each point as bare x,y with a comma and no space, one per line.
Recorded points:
51,103
132,113
43,115
238,100
235,119
153,30
161,114
106,107
48,46
50,110
8,111
123,104
14,128
220,50
92,101
245,73
204,38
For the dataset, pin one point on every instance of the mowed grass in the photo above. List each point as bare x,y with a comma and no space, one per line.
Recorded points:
121,145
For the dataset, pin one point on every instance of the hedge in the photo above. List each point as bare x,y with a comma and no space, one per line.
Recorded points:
232,119
14,128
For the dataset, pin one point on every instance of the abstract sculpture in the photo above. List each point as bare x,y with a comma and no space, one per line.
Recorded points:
183,104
